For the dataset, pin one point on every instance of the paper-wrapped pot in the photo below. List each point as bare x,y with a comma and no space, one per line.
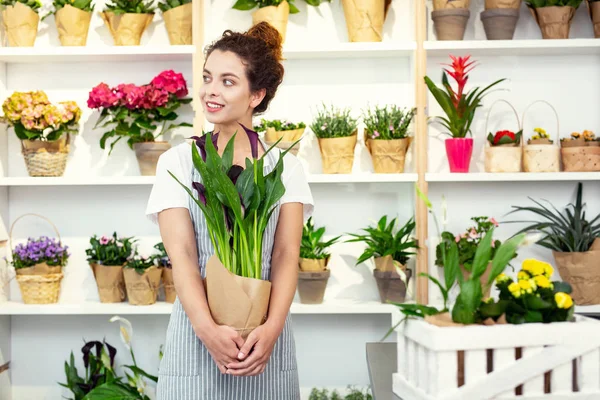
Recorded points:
73,25
20,25
127,29
178,22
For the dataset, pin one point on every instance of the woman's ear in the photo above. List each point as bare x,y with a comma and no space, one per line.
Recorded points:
257,97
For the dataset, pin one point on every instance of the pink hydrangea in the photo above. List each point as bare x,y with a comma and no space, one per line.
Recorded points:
172,82
102,96
155,97
132,95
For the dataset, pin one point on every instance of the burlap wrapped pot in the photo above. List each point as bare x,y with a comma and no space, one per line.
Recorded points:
20,25
127,29
388,155
110,282
142,289
503,158
554,21
73,25
540,157
337,154
276,16
582,272
178,22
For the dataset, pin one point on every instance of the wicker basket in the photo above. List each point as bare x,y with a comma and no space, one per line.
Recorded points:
504,158
581,159
44,158
36,288
542,157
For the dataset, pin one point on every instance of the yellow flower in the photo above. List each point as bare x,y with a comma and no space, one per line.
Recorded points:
588,135
534,137
515,289
501,278
548,270
575,135
541,132
563,300
534,267
542,281
523,275
527,286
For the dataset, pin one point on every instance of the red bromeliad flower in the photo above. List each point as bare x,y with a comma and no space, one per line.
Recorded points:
504,137
461,66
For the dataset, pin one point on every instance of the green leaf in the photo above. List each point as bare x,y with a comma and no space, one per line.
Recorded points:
112,391
533,316
563,287
536,303
451,266
493,310
141,372
245,5
503,255
293,9
482,255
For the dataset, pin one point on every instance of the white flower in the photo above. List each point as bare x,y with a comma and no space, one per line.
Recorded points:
532,238
126,330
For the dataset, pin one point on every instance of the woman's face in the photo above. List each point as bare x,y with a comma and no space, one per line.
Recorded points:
225,92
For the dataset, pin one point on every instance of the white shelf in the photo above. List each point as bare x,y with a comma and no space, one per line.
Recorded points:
162,308
350,50
512,177
95,54
595,309
535,47
362,178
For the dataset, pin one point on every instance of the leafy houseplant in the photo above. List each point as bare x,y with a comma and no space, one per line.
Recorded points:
353,394
73,20
553,16
162,260
386,137
459,107
336,131
285,132
178,20
142,279
127,20
20,19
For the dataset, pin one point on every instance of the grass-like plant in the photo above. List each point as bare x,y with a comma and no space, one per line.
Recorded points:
388,122
333,122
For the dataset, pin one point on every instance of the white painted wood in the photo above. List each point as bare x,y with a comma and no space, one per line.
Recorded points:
475,365
445,365
512,177
423,376
411,363
535,385
311,50
504,358
402,360
562,378
512,48
95,54
589,372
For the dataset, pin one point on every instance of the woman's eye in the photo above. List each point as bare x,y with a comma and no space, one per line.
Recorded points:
227,82
206,78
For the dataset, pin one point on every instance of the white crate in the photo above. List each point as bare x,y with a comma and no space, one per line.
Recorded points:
428,361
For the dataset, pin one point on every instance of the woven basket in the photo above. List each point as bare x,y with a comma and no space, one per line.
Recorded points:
581,159
504,158
35,288
46,158
542,157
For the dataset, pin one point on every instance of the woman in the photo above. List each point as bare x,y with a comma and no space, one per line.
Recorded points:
202,360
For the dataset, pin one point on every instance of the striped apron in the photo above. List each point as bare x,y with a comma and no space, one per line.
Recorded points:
187,370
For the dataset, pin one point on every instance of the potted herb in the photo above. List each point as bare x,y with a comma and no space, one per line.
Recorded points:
282,133
73,21
391,248
365,19
127,20
178,20
142,279
594,10
500,18
44,130
574,242
386,137
107,256
460,107
20,19
314,258
336,132
141,114
163,261
553,16
450,18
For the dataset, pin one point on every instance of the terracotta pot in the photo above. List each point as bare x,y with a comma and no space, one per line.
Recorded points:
390,286
459,152
500,23
450,23
312,285
147,154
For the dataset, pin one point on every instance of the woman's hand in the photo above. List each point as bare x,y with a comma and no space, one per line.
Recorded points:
256,351
223,343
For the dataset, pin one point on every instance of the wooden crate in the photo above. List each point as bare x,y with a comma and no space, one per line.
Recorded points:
530,361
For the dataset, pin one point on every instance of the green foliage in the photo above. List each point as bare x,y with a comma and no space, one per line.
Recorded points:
316,3
83,5
140,263
551,3
312,247
246,5
504,138
278,125
353,394
130,7
109,251
384,239
161,258
569,231
35,5
333,122
388,122
166,5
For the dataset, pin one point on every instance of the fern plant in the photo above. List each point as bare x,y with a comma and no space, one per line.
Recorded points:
312,246
167,5
119,7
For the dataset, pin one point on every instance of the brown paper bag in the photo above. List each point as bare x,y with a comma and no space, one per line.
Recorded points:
388,155
39,269
73,25
142,289
442,320
337,154
110,281
494,4
594,10
364,19
311,265
271,135
581,271
443,4
235,301
169,284
127,29
554,21
277,16
386,264
178,22
20,24
573,142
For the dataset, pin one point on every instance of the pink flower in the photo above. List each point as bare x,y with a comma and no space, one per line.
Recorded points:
457,238
375,134
493,221
172,82
155,97
102,96
132,95
104,240
473,234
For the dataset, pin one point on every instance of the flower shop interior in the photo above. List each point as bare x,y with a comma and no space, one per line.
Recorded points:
426,170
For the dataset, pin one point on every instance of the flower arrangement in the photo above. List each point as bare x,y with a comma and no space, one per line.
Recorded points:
135,111
34,118
167,5
312,246
162,258
540,137
37,251
388,122
278,125
505,138
139,263
110,251
334,122
119,7
35,5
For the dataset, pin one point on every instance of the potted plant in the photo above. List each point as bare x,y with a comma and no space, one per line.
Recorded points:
352,394
365,19
107,256
594,10
336,132
73,21
127,20
500,18
553,16
163,261
284,133
580,152
504,153
178,20
391,248
44,130
574,242
142,279
135,112
20,19
450,18
386,137
459,107
314,258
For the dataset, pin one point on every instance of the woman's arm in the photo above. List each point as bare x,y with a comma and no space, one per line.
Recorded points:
257,350
178,236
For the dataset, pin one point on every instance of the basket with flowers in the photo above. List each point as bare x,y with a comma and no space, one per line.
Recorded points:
504,152
541,153
580,152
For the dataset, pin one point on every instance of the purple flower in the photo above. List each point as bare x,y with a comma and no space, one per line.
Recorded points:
201,142
234,173
104,240
253,137
201,191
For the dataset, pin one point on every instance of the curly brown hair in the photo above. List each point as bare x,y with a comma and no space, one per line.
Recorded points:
260,50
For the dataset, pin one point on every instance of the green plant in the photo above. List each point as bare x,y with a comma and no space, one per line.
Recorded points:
388,122
119,7
353,394
551,3
35,5
83,5
42,250
569,231
278,125
166,5
110,251
385,240
505,137
312,247
140,263
162,257
334,123
246,5
459,106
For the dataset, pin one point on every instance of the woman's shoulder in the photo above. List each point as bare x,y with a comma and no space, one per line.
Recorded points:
180,154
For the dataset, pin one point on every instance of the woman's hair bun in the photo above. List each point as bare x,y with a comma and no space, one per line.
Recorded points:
271,36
